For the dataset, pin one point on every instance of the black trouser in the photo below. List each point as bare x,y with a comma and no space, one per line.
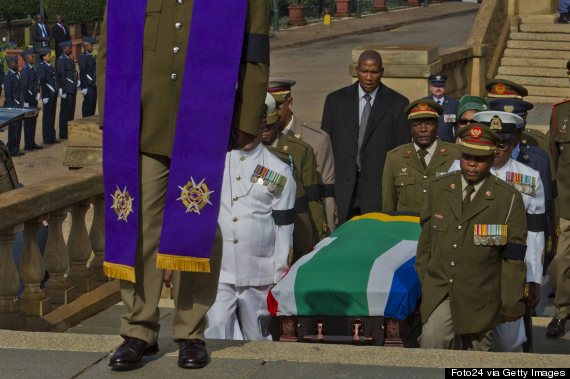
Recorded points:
66,113
48,120
14,137
89,102
30,129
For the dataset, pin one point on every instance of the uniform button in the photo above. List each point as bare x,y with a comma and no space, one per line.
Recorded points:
452,264
178,25
180,1
425,176
435,227
424,190
173,76
234,219
235,242
459,227
238,177
451,281
176,50
455,246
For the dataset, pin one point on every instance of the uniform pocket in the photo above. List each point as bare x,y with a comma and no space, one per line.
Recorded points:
405,189
151,23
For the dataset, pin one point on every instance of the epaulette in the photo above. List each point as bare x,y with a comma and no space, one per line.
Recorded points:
444,176
313,129
292,138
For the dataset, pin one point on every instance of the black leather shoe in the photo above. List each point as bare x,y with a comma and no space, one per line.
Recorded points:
556,328
18,154
563,18
193,354
130,353
36,146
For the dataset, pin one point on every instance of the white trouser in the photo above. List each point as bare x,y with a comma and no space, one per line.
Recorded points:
509,336
253,314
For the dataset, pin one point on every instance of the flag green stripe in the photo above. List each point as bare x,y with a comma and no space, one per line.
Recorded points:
346,291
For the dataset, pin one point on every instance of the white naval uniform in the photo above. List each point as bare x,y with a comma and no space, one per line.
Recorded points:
255,249
510,336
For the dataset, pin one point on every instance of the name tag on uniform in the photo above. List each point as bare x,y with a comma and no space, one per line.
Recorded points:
451,118
268,178
523,183
490,234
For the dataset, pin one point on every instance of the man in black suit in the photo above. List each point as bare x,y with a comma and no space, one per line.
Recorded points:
40,34
60,34
365,121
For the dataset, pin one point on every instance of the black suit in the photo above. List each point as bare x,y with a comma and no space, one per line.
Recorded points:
60,34
388,127
39,39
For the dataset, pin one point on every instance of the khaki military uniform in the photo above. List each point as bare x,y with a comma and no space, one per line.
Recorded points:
321,144
482,281
560,144
166,31
405,181
302,157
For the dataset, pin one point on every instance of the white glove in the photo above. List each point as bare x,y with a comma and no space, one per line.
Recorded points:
63,96
84,91
60,92
38,97
45,100
26,105
78,83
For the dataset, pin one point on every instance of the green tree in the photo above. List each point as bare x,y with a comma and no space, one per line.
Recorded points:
76,11
16,9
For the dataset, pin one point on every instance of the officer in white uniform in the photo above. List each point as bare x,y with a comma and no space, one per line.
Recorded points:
256,220
510,336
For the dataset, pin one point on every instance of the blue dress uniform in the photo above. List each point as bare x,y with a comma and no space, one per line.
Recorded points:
13,92
448,123
87,69
68,81
48,86
30,99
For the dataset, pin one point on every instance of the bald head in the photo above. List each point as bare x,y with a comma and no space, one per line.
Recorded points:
370,55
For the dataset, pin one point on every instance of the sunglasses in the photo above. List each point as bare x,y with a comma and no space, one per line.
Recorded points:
465,121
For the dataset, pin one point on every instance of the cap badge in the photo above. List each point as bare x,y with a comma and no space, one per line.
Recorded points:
509,108
484,106
422,106
500,88
496,123
476,132
438,77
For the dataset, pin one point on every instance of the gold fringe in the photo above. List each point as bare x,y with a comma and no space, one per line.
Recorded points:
118,271
178,263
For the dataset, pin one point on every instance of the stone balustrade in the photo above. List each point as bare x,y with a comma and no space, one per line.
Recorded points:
49,203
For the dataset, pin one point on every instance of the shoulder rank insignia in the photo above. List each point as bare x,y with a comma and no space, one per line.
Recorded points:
490,234
266,177
523,183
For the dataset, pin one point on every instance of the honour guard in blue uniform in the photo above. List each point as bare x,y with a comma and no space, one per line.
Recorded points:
68,81
30,97
87,69
48,87
13,92
448,125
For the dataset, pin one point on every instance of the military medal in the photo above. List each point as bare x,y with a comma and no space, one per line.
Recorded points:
523,183
489,234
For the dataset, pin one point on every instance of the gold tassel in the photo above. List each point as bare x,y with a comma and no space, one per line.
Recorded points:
178,263
118,271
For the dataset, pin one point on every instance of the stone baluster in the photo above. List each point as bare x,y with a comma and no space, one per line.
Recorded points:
97,235
79,246
33,271
56,259
11,317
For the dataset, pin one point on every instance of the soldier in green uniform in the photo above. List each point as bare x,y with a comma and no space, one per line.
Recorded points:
309,211
470,256
410,167
560,267
468,106
166,30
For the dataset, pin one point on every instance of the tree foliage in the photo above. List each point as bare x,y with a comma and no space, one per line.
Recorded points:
75,11
16,9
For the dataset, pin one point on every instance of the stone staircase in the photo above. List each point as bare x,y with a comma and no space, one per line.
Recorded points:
536,56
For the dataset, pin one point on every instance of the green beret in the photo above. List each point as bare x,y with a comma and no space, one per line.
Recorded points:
469,102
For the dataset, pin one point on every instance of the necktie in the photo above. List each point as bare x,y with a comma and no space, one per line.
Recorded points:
469,189
362,126
43,28
422,154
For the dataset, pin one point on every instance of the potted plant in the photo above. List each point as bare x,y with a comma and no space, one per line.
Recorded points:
297,12
342,8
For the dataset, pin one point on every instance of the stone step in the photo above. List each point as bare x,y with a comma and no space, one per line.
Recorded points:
545,28
535,81
534,71
538,45
543,99
531,62
539,54
553,37
541,91
540,19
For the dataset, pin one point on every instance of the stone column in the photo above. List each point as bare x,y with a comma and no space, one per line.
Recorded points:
79,246
33,271
56,258
97,236
11,316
